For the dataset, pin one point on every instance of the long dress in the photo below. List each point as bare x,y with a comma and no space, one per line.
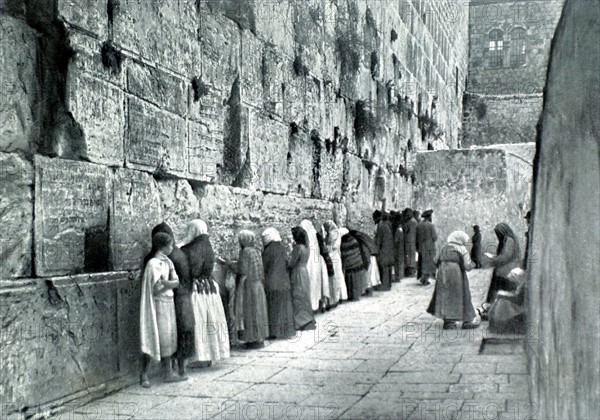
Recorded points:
278,291
211,335
314,267
300,281
158,329
452,296
338,283
255,317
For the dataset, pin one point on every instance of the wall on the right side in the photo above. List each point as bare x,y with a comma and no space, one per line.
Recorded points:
563,279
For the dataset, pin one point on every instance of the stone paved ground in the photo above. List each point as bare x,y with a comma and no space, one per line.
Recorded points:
382,357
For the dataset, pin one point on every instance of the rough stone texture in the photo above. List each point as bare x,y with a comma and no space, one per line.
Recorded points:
102,119
135,210
565,358
503,103
228,210
310,107
71,216
538,18
156,140
179,205
481,186
500,120
16,215
78,332
19,117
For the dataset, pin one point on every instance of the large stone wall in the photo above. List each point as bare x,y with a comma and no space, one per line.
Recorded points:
564,356
504,101
482,187
492,120
117,115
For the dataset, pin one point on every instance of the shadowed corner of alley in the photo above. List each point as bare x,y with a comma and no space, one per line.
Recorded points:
382,357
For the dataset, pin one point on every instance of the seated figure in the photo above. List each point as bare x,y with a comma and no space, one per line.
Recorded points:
508,313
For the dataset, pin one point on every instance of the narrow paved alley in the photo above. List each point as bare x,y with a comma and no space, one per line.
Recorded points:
383,357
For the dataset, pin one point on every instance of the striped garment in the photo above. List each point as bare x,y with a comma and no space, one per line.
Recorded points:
350,253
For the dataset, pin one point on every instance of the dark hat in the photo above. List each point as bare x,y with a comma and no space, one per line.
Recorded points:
427,213
476,227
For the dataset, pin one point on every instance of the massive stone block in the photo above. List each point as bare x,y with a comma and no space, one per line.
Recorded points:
71,216
564,356
16,215
251,70
102,119
18,114
135,210
205,152
90,15
63,335
229,210
180,205
267,147
156,140
161,31
164,90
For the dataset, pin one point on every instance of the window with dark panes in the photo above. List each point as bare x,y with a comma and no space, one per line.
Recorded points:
517,47
496,48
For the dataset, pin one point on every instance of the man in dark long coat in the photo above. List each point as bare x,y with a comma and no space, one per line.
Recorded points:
384,240
410,242
476,249
426,237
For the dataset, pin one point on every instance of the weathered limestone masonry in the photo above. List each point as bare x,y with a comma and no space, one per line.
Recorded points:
509,45
484,186
116,115
564,298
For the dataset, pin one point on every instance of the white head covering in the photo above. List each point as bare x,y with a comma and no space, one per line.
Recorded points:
270,235
195,228
458,237
459,240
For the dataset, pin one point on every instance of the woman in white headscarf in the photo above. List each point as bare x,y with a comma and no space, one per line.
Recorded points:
451,299
211,333
314,267
333,241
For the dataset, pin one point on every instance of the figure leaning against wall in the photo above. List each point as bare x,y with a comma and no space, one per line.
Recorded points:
158,329
184,313
304,318
277,286
211,334
251,303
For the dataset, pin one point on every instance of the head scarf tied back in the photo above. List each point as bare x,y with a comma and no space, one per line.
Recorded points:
459,240
246,238
458,237
271,235
195,228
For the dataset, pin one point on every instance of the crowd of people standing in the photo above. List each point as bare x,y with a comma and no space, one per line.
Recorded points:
186,316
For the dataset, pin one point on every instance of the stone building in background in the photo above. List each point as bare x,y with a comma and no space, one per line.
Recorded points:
509,48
